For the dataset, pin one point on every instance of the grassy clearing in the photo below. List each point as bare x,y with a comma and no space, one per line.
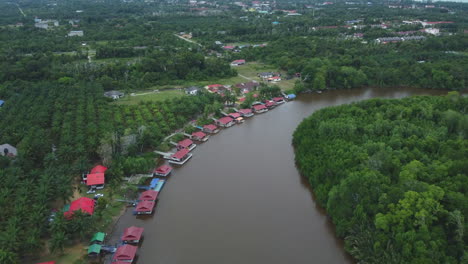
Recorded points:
150,96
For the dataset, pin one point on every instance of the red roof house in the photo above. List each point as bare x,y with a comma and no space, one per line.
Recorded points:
125,253
238,62
95,179
270,104
144,207
200,136
180,154
98,169
225,121
228,47
259,108
210,128
86,205
149,195
235,115
132,234
245,112
185,144
163,170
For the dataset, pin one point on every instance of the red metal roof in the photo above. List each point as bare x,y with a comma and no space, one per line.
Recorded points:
225,120
185,143
132,233
210,127
259,107
269,103
98,169
198,134
95,179
163,169
214,85
149,195
234,115
238,61
181,153
125,252
278,99
144,206
84,204
245,111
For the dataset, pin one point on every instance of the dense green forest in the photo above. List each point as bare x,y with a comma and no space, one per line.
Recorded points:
392,175
60,130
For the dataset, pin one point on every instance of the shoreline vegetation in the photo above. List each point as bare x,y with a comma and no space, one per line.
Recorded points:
391,174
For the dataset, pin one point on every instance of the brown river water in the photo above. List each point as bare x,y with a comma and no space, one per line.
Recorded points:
240,199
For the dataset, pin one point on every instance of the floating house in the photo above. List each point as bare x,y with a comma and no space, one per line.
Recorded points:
186,144
225,122
149,195
237,117
270,104
85,204
162,171
132,235
98,238
125,254
246,112
200,136
278,100
212,129
144,208
180,157
258,109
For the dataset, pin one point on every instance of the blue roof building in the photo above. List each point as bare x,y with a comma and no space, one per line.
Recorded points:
1,103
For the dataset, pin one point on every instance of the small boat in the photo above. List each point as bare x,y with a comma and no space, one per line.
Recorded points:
159,186
162,171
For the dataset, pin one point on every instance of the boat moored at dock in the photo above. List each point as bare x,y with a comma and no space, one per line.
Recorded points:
162,171
124,254
225,122
186,144
180,157
132,235
144,208
246,112
150,195
278,100
200,136
211,129
259,108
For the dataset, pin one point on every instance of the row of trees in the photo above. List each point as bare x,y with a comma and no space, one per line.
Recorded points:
392,176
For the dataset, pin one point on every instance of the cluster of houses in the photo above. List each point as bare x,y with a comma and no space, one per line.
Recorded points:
124,252
45,23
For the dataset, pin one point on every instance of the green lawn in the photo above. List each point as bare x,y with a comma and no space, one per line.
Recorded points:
150,96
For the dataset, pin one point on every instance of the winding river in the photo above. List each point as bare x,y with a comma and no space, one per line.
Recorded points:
240,199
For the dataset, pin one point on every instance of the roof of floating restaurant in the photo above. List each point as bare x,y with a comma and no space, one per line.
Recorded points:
181,153
185,143
132,233
125,252
149,195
